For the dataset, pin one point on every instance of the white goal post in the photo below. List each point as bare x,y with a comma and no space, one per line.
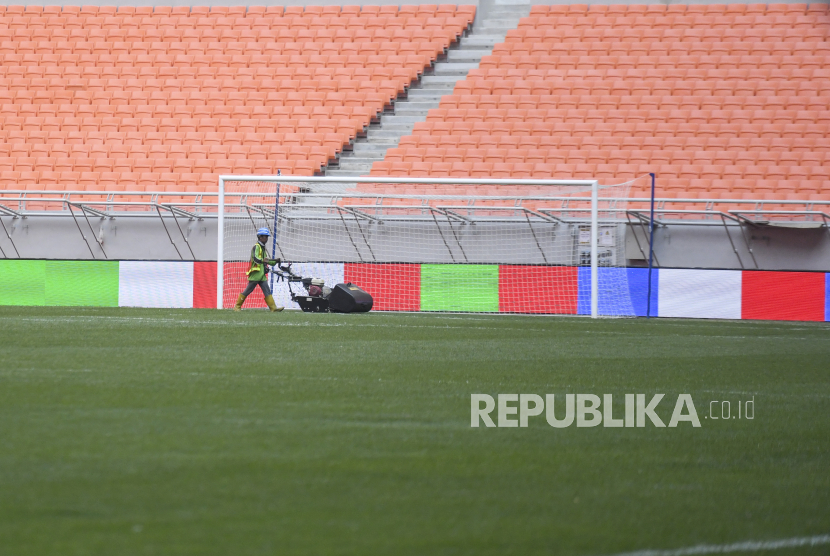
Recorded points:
543,230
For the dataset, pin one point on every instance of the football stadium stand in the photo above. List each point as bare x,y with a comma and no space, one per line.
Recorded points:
720,101
168,98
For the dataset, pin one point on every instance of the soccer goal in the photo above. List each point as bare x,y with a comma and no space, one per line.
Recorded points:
427,244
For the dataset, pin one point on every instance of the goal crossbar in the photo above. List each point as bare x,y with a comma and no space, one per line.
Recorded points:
414,181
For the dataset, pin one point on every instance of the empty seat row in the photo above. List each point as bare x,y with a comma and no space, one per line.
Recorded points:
207,165
169,138
421,55
312,36
630,102
186,111
296,61
710,158
11,82
99,154
657,62
238,48
251,125
670,185
458,24
192,98
612,115
430,135
813,177
576,76
387,88
642,129
254,12
376,101
664,48
150,181
403,74
661,128
678,21
233,46
591,145
661,9
569,35
696,185
668,87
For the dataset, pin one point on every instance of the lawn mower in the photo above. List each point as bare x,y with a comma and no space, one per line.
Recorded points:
319,298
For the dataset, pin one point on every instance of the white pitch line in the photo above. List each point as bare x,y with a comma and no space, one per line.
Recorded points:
746,546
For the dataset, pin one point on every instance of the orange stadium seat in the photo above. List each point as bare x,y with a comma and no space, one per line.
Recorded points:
715,97
691,91
124,80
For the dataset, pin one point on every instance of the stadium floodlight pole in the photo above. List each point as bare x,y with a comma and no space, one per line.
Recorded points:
220,255
594,249
650,247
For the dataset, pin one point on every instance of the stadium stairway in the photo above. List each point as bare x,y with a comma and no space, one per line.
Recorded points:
493,22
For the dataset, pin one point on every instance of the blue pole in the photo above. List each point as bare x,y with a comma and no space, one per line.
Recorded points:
274,233
650,247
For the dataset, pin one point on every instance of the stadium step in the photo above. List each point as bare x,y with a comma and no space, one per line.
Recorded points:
484,41
454,68
436,82
491,26
419,109
422,95
385,135
373,148
467,56
397,119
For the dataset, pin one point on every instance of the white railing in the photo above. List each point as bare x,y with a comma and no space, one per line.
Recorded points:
26,202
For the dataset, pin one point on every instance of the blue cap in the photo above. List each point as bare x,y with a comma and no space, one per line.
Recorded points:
263,232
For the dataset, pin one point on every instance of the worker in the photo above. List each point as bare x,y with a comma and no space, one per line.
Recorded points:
258,272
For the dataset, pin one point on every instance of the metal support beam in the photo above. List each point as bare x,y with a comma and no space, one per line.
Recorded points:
359,214
8,235
546,217
346,226
173,211
173,243
365,239
87,209
642,220
454,233
723,217
9,212
449,214
533,233
634,233
181,212
741,222
88,246
447,245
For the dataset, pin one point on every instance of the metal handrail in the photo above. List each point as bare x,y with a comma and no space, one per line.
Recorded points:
194,205
28,195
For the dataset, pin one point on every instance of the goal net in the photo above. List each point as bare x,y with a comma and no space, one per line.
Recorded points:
419,244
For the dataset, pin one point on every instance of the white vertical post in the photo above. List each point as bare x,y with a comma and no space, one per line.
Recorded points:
594,253
220,246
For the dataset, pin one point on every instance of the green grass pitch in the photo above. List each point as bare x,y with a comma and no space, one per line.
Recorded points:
173,432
